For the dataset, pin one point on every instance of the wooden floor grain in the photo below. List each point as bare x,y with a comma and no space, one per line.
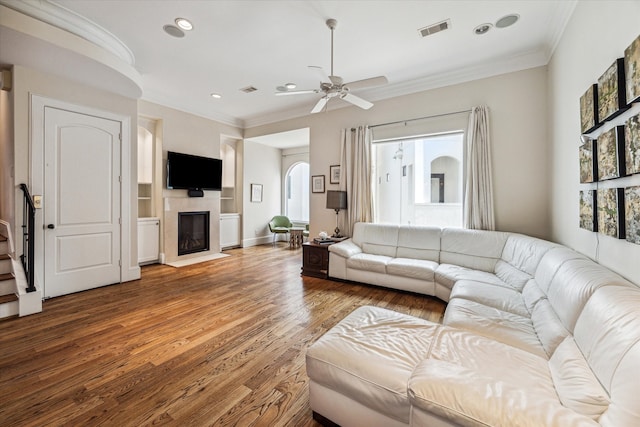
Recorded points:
221,343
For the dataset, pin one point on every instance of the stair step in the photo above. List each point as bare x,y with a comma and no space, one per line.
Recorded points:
6,276
8,298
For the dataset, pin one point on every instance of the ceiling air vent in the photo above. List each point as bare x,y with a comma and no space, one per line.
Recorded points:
249,89
435,28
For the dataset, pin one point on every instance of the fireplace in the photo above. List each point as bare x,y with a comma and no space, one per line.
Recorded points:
193,232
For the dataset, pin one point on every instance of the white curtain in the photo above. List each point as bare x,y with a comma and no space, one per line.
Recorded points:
355,177
478,197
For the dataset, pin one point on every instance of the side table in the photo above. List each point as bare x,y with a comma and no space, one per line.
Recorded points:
315,260
295,237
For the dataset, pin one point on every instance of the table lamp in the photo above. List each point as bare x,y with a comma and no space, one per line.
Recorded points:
336,200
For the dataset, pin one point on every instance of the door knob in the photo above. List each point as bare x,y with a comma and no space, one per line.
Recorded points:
51,226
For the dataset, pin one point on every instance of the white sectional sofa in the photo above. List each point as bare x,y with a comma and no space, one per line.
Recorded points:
534,334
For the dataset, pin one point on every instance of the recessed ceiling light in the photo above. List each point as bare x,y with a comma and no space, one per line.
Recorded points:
216,95
184,23
174,31
507,21
482,29
290,85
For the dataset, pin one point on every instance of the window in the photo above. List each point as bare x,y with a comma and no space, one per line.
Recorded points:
419,180
297,193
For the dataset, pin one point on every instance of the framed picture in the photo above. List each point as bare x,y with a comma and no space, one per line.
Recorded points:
317,184
588,162
334,174
610,206
612,97
256,193
588,209
610,160
632,213
632,71
589,110
632,144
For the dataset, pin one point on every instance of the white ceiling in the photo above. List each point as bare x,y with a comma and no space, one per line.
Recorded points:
266,44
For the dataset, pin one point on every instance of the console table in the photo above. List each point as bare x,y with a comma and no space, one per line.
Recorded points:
315,260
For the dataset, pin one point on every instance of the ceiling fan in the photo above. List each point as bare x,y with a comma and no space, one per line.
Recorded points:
332,86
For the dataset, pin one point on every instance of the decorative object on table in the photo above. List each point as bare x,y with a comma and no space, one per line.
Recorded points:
610,158
588,161
610,205
323,238
589,110
632,144
256,193
317,184
632,70
632,213
334,174
336,200
612,97
588,205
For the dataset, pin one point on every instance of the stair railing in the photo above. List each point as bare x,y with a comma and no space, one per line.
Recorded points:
28,237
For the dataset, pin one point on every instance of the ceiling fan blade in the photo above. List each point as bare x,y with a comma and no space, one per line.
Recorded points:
297,92
361,84
320,73
320,105
357,101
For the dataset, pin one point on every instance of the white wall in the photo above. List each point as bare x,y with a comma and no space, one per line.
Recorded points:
596,35
262,165
518,103
6,158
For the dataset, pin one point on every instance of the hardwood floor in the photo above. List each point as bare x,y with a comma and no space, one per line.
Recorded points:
214,344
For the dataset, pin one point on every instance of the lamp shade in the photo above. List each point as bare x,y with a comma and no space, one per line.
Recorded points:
336,199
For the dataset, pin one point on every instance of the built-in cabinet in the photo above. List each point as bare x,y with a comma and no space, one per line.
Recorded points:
229,230
148,240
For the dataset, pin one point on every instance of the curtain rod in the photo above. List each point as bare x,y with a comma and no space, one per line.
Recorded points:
420,118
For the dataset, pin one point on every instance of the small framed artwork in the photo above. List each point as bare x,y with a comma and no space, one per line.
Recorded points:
610,206
256,193
588,162
632,70
632,144
612,97
588,209
317,184
589,110
610,154
334,174
632,213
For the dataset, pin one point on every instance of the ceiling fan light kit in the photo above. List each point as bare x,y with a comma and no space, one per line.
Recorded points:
333,86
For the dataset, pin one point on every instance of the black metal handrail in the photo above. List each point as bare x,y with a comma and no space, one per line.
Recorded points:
28,237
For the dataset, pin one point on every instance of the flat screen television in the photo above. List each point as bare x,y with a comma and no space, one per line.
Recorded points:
189,172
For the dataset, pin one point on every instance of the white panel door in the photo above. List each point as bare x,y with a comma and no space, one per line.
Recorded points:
81,202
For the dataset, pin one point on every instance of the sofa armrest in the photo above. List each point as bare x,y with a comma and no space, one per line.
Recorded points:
468,397
345,249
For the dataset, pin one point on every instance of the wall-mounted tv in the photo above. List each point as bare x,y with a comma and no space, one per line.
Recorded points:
194,173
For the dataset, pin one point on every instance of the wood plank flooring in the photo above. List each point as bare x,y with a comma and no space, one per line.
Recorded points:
220,343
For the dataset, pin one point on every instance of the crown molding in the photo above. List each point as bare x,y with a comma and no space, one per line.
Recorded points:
52,13
561,17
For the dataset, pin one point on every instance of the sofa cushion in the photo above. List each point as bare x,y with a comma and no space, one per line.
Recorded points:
551,261
524,252
370,355
549,329
369,262
377,239
476,249
577,386
448,274
509,328
346,248
511,275
472,380
608,335
532,294
500,297
419,242
415,268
